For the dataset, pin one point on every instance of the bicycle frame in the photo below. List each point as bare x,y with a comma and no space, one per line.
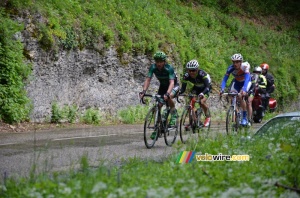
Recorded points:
233,113
191,105
159,102
159,126
190,119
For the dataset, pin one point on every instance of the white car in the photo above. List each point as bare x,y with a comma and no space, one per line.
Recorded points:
282,122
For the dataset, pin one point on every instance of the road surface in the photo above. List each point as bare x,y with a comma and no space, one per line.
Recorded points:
62,149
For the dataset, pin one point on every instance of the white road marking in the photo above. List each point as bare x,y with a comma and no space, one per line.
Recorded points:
78,137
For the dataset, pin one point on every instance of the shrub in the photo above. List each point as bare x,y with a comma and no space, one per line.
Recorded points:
14,104
56,113
91,116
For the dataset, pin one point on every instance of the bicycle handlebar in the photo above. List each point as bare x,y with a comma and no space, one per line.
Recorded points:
149,95
189,95
231,94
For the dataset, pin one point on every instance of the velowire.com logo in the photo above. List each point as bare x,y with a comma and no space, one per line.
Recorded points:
188,156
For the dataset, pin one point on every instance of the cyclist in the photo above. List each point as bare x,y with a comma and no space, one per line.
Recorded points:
202,85
259,82
169,86
241,84
270,84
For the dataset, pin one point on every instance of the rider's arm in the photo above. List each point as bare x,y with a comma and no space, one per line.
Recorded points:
171,86
207,84
171,80
183,87
270,79
148,78
146,84
225,78
184,82
246,82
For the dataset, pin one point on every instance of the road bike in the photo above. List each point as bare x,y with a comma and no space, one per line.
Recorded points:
234,114
192,122
157,124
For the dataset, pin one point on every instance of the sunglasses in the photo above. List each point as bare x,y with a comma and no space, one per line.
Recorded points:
192,70
236,61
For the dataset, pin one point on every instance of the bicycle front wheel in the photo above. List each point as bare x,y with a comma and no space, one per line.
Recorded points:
171,129
151,127
186,126
231,121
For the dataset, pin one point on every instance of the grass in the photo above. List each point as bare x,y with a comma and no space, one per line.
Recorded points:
274,158
208,31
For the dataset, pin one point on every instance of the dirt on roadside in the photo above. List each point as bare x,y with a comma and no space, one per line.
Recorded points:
30,126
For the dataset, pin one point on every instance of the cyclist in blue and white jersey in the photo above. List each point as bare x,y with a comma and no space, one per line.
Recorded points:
241,83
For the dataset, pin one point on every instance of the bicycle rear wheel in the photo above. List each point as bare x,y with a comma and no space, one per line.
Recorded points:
171,129
151,127
186,126
231,121
200,122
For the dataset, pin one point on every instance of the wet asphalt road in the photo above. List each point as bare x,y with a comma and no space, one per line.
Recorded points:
62,149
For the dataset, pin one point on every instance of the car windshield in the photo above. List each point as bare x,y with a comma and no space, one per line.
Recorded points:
279,124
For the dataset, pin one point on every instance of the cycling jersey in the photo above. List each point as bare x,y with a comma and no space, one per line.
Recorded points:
163,76
241,75
202,82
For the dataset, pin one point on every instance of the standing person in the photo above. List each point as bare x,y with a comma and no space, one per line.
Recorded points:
242,82
202,85
259,82
169,86
270,84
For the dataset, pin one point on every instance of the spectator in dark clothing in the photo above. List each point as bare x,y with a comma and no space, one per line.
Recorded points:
270,84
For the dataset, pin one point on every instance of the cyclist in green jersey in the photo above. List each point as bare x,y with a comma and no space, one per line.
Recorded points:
169,86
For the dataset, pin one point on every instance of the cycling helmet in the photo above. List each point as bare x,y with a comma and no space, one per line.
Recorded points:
257,70
246,64
193,64
160,56
237,57
264,66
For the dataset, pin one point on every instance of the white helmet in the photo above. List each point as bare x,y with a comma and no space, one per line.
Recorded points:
237,57
193,64
257,69
246,64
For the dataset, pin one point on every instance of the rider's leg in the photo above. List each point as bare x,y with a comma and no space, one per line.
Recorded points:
171,103
250,110
238,87
205,108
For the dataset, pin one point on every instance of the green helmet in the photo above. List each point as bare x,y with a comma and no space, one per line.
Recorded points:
160,56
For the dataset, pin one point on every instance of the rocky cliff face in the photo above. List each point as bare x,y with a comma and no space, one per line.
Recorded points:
85,78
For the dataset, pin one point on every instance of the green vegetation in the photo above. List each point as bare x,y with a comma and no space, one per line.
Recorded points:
91,116
133,114
14,104
274,158
71,114
210,31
